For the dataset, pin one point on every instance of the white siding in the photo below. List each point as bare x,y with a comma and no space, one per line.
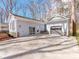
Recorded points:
42,27
22,28
12,23
22,25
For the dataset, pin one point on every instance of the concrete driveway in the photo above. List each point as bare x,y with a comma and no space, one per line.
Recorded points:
40,47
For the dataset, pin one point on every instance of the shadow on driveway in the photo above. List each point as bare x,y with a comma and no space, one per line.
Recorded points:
25,40
41,49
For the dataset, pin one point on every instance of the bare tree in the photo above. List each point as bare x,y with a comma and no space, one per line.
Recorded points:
9,5
2,15
33,8
39,11
73,17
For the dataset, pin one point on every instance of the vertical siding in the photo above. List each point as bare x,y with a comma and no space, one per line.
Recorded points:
22,28
12,31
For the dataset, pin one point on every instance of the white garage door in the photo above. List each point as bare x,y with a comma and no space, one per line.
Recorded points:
56,30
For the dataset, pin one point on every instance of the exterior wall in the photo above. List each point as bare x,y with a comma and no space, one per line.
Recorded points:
12,26
20,27
42,27
23,28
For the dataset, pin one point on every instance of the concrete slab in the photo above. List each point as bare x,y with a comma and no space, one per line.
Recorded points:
40,47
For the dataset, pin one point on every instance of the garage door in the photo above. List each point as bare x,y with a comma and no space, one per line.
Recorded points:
56,30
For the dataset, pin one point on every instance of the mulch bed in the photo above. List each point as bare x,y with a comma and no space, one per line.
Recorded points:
4,36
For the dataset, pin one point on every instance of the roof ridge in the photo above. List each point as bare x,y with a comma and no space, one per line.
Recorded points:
25,17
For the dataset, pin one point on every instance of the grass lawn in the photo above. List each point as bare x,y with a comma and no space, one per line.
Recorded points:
77,34
77,37
77,40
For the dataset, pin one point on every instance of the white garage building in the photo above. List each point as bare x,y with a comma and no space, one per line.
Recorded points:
58,25
22,26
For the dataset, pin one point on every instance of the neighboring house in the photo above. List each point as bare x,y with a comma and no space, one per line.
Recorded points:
3,25
23,26
59,24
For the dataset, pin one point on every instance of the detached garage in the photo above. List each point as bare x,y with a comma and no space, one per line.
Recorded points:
58,26
22,26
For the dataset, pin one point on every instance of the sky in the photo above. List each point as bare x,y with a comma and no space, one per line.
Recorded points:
23,2
20,3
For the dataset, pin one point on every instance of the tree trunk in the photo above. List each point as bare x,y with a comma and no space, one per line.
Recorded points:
73,18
